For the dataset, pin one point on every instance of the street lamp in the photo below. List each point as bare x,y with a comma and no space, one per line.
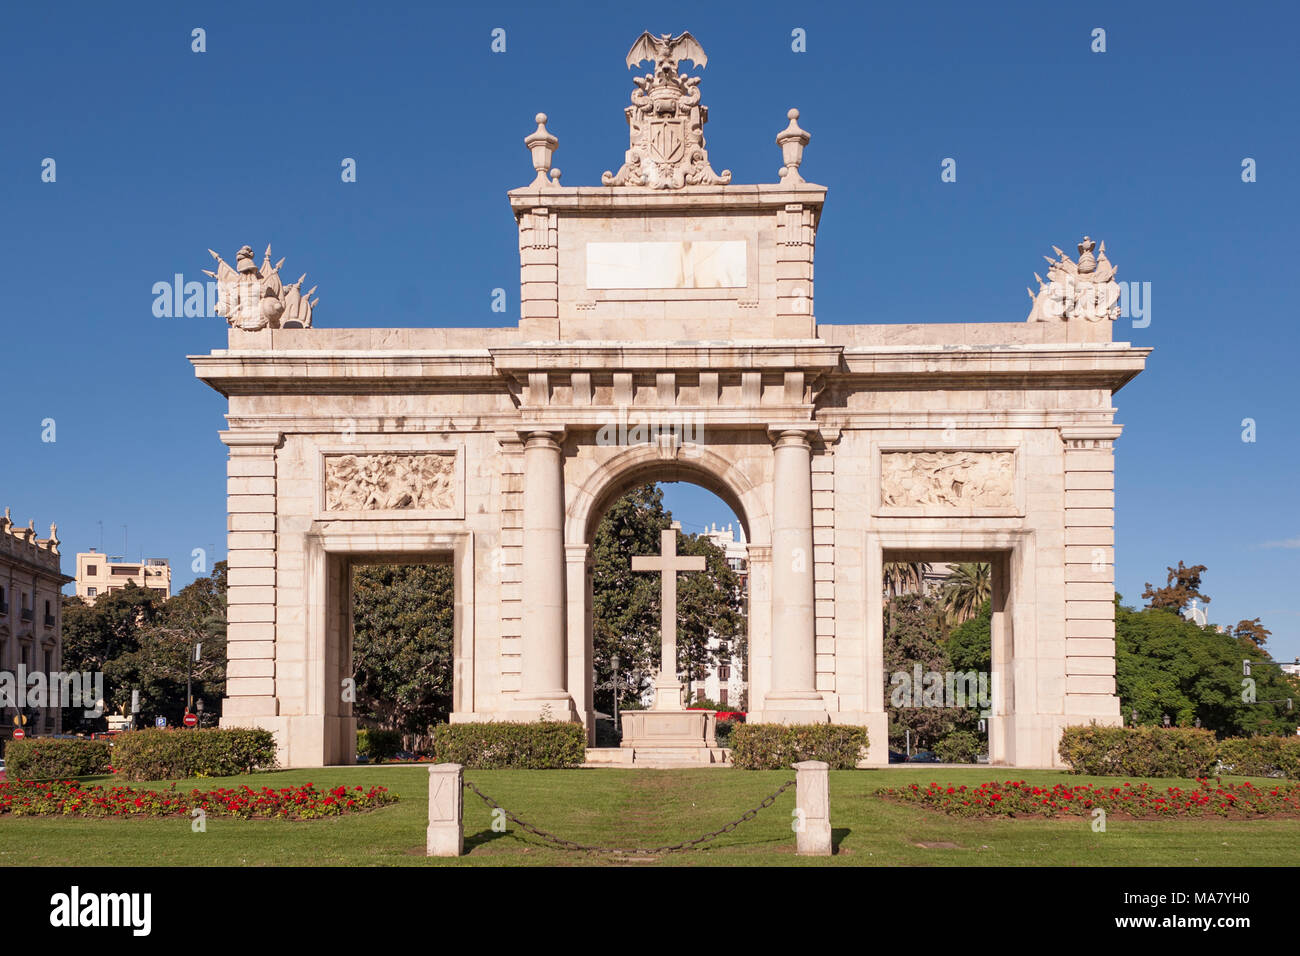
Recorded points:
189,677
613,663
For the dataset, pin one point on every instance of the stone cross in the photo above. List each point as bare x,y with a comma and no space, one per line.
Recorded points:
668,695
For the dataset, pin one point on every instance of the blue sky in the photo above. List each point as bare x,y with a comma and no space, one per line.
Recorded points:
162,153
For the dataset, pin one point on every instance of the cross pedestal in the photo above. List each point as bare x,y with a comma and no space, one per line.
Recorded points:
668,732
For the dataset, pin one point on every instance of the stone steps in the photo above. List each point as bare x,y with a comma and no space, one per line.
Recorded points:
658,758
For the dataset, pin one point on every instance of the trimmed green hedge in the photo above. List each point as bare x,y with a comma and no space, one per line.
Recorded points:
173,754
544,745
776,746
1261,756
54,758
960,746
1139,751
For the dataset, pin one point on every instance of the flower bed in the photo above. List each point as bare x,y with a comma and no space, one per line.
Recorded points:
1016,798
70,799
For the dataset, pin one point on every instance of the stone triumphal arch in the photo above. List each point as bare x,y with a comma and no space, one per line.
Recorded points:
667,332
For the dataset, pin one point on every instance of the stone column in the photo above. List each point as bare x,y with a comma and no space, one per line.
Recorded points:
543,682
445,835
794,648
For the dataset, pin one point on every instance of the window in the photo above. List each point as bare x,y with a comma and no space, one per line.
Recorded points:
722,697
124,570
724,672
92,592
92,570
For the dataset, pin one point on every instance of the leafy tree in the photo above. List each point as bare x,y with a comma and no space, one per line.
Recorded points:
708,605
970,645
96,636
140,641
402,645
162,663
968,587
1253,633
1181,585
1168,665
913,634
625,604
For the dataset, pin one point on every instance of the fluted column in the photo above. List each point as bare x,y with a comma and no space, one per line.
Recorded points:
794,647
544,606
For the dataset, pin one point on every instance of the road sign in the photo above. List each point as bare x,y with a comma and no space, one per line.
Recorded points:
191,720
19,734
160,722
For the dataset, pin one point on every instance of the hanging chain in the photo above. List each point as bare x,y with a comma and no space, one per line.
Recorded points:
631,851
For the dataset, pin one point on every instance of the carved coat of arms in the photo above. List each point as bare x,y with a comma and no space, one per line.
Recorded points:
666,120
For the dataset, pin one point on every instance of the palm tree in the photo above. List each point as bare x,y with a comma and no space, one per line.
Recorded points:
904,577
966,589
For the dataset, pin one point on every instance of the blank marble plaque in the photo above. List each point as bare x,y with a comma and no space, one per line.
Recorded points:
705,264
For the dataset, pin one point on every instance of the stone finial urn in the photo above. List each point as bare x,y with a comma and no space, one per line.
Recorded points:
792,140
541,144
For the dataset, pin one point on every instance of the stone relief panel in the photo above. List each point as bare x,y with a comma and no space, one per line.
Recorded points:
947,479
390,482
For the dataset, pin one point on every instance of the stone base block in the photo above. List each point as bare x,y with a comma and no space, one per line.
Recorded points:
444,839
306,740
787,715
609,757
533,709
669,729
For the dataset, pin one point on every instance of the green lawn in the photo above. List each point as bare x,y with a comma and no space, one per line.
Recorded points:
648,808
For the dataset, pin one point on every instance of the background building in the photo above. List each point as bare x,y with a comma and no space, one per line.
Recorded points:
98,574
31,617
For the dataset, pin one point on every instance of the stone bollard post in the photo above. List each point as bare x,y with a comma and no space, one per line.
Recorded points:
446,834
813,803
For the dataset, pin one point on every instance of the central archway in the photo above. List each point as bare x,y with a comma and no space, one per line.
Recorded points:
647,464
